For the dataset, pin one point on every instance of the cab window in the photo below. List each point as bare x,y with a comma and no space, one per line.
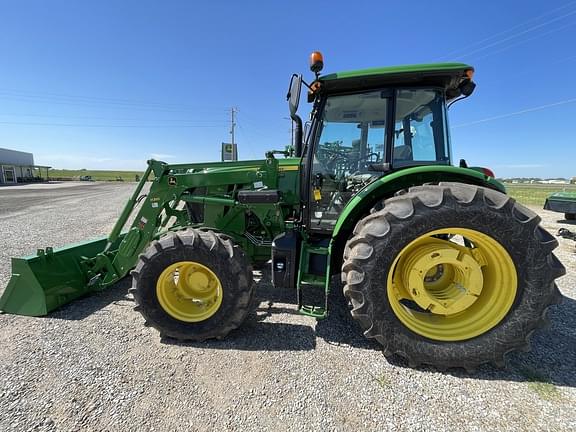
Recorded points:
419,131
349,150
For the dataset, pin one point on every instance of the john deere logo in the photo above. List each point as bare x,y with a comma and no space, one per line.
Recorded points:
172,181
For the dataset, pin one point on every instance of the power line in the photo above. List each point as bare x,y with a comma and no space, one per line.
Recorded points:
255,125
219,122
96,99
108,125
455,52
515,113
150,107
562,60
554,30
247,143
101,105
531,29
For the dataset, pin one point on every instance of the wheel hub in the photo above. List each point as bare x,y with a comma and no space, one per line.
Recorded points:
189,291
443,279
452,284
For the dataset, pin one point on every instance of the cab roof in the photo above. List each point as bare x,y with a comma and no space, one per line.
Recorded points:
445,75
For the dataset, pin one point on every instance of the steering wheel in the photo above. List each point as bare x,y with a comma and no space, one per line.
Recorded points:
369,157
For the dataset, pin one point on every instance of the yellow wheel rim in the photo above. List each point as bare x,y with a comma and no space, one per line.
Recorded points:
189,291
452,284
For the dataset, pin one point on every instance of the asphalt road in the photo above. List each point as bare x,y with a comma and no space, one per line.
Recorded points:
23,198
92,365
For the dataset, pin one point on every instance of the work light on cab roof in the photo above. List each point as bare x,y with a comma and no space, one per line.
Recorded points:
316,62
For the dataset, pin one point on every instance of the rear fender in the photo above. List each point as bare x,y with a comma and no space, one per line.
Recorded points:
387,186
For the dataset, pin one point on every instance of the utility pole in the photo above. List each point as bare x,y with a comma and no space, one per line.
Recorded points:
229,150
233,112
291,129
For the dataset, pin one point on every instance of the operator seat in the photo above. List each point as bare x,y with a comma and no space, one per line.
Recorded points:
403,153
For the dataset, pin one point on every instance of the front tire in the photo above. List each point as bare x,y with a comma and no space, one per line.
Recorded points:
451,275
193,285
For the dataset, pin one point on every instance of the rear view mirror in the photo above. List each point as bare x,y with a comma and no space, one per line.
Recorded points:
294,94
467,87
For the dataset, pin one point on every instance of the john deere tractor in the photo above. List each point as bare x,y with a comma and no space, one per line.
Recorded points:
438,264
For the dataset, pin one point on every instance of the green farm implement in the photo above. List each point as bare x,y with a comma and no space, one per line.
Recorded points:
438,264
562,202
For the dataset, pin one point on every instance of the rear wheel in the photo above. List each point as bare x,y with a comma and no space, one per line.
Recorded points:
193,285
570,216
451,275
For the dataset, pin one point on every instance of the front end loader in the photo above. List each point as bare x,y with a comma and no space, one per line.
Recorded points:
438,264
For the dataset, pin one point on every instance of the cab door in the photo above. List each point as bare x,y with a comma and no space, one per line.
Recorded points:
349,153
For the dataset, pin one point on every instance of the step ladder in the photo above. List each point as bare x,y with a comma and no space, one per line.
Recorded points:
308,281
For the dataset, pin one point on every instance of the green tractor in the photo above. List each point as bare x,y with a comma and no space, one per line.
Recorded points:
438,264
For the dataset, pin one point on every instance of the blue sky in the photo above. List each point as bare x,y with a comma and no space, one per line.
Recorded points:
107,84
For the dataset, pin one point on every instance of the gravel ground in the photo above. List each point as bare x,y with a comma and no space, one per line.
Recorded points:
92,365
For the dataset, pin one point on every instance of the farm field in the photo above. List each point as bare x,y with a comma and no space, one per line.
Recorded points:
535,194
96,174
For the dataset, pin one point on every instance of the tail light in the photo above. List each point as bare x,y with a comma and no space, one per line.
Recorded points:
488,172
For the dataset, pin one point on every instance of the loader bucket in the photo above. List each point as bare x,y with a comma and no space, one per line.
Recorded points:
42,283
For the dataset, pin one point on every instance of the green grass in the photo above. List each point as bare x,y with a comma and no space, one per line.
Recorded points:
535,194
96,174
540,384
382,380
545,390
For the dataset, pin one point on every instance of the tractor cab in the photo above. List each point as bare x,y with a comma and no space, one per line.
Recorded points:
369,123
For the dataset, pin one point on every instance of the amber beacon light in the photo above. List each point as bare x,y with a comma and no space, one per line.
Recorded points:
316,62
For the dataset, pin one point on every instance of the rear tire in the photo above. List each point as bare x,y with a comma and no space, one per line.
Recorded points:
220,258
570,216
372,255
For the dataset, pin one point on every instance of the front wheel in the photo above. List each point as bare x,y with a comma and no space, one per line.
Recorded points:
451,275
193,285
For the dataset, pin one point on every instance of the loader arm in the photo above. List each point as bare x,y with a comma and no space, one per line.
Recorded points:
54,277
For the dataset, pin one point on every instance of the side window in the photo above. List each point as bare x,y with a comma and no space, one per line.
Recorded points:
376,141
423,148
419,133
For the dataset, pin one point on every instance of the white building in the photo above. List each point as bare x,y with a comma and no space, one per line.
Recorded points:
18,167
